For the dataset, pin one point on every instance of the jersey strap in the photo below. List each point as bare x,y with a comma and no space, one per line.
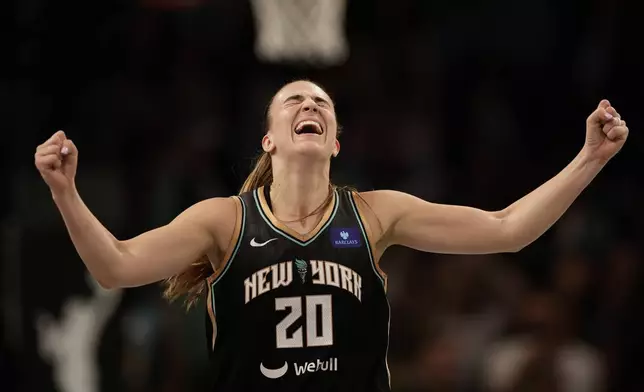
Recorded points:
226,261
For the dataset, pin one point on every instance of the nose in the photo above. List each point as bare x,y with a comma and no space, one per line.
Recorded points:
310,106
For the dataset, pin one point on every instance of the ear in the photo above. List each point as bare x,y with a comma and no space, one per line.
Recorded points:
267,143
336,150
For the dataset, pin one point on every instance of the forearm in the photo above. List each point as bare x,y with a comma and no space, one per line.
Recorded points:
531,216
96,246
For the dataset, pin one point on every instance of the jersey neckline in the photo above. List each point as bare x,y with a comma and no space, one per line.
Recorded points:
287,232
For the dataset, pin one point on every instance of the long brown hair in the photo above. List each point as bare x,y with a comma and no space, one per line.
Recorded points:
192,282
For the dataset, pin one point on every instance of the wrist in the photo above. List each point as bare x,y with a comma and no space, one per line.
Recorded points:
589,162
64,196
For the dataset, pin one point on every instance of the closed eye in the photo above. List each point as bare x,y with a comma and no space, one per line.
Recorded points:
298,98
294,99
321,101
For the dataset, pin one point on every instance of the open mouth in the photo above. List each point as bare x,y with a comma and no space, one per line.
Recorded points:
308,127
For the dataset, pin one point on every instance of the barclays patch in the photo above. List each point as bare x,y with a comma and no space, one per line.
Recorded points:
345,237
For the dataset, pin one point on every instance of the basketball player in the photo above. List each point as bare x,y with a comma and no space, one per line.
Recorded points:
289,268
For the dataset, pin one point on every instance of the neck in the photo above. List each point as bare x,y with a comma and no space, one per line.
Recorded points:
298,189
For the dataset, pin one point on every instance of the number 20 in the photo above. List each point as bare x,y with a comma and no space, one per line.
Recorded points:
313,339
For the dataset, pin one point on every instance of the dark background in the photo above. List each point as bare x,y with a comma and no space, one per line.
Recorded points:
456,102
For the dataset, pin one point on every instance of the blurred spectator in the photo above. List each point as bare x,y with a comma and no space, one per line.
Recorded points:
545,355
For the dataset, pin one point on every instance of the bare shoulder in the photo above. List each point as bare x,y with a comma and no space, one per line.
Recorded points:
219,215
383,198
386,204
215,204
218,211
213,212
377,209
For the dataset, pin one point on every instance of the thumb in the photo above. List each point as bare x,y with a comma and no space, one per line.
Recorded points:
600,115
604,103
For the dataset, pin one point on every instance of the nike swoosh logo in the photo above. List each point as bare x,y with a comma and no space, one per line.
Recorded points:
256,244
273,373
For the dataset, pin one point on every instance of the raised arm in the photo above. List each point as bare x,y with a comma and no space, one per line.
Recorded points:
154,255
203,229
409,221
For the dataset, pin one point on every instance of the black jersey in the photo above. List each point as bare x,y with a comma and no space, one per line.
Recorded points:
292,312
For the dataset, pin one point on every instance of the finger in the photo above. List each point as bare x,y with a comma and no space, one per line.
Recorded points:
616,117
617,133
608,127
603,104
48,162
48,150
612,111
56,138
69,148
600,116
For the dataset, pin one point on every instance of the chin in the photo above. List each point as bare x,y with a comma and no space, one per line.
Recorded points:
311,150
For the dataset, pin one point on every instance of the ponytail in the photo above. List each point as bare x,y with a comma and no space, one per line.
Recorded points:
192,282
261,175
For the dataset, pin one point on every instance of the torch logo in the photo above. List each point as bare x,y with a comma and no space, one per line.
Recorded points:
302,268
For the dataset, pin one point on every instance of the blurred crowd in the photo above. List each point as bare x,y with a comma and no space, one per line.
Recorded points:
454,102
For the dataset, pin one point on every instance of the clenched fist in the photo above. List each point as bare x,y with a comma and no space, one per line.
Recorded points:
606,133
56,160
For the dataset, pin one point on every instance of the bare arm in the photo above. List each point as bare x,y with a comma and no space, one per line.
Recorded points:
151,256
409,221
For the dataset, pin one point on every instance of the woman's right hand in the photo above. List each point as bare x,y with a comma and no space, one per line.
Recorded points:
56,160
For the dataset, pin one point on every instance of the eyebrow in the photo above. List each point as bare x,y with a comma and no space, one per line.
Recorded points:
300,97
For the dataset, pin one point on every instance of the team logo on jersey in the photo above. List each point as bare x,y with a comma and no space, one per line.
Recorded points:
345,237
302,268
325,273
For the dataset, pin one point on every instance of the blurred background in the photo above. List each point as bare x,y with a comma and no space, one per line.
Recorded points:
455,102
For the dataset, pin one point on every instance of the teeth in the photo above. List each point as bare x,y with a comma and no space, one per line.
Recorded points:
304,123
